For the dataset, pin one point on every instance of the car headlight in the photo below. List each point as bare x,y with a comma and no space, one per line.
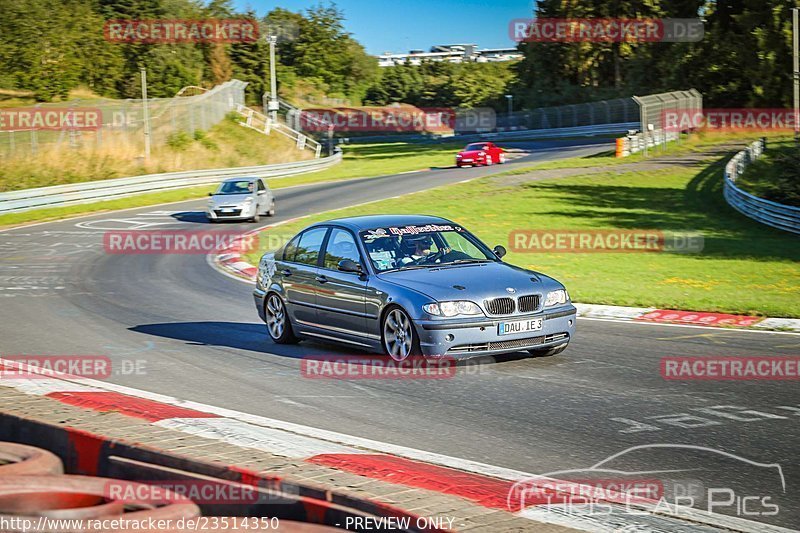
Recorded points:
556,297
459,156
248,201
460,307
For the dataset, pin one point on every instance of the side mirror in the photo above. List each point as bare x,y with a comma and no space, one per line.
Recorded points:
499,251
348,265
211,194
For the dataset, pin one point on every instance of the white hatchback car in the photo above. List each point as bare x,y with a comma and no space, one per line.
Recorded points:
244,198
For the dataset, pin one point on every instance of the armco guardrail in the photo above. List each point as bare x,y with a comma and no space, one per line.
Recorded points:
552,133
81,193
767,212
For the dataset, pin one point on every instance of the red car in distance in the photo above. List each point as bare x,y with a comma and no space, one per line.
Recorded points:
481,153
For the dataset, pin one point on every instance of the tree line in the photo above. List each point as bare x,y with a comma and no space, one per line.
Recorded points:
50,47
743,60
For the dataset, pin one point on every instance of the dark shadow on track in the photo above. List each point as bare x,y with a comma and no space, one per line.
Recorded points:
197,217
254,337
238,335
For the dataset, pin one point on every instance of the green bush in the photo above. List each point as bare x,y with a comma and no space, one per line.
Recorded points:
208,143
179,141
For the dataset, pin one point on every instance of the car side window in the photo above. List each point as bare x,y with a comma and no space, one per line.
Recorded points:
261,186
309,246
341,245
291,249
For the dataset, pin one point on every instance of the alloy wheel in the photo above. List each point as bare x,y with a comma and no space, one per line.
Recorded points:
276,316
398,334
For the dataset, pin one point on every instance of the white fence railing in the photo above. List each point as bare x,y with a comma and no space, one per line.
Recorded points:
773,214
93,191
262,123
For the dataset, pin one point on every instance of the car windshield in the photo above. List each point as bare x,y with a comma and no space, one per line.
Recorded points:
422,246
236,187
475,146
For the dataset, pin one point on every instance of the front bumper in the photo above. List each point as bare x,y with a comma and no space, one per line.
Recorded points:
258,296
237,214
478,336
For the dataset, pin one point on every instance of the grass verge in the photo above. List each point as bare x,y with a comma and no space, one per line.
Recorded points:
226,144
744,268
775,175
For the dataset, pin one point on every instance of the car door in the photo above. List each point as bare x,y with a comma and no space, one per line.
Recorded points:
299,271
262,197
341,296
491,152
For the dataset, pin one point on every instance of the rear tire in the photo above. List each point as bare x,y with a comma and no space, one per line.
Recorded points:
547,352
502,159
277,318
271,212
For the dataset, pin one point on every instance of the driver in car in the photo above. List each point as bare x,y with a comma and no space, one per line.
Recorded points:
418,249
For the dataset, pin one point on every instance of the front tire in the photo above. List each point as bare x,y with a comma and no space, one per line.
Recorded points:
399,337
278,325
547,352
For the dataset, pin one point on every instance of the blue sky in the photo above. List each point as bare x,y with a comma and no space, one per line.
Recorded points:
401,25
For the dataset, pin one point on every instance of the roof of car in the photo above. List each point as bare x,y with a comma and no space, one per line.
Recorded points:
381,221
241,178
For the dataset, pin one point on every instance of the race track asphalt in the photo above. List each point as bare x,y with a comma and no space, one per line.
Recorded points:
200,339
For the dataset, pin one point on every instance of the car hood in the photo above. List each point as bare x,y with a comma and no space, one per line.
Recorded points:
230,199
471,153
474,282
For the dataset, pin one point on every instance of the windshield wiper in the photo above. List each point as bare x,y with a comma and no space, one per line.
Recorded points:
464,261
409,267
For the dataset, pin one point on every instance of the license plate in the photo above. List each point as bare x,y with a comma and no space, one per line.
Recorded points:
519,326
466,160
227,210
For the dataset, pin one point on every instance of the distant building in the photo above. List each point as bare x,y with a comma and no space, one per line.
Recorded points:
452,53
